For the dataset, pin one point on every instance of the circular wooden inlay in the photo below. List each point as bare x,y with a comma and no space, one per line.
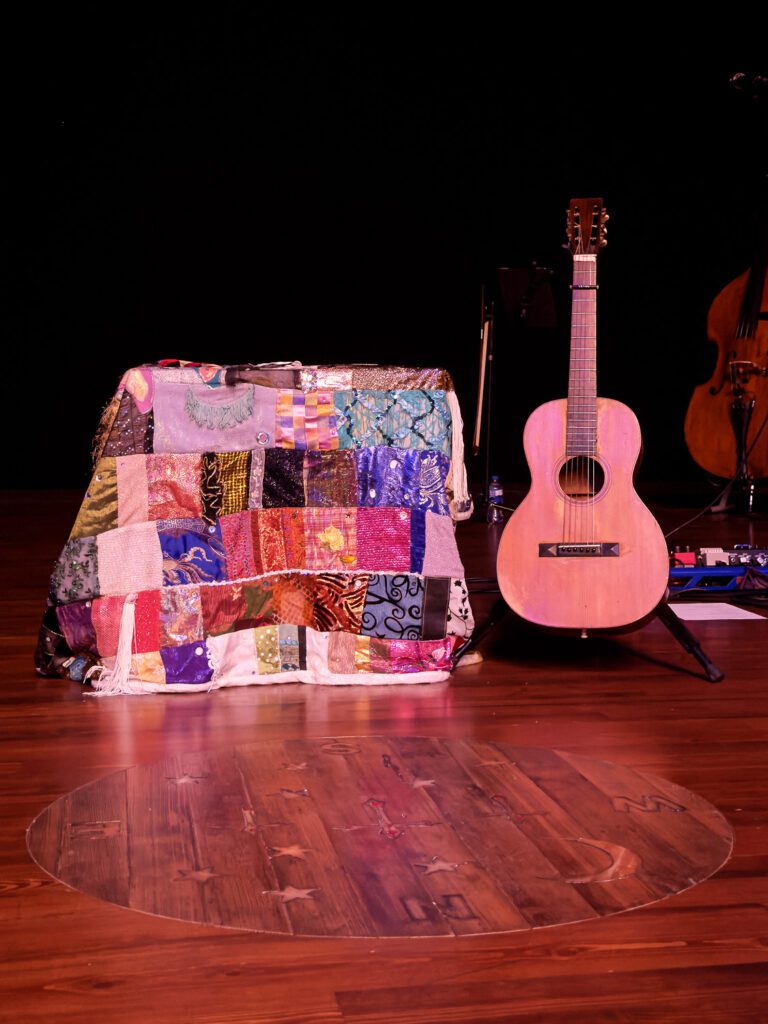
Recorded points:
374,836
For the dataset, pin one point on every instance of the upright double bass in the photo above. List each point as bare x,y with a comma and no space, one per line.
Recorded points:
726,426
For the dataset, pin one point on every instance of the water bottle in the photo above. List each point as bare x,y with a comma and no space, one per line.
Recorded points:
495,498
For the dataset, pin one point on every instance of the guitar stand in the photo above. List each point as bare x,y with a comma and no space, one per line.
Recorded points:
687,640
662,611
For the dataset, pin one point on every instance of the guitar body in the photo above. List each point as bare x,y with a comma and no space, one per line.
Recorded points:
593,591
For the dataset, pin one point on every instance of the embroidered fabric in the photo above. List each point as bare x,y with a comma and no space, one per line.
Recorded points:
199,418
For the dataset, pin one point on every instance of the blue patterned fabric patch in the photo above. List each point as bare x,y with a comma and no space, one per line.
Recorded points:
393,607
400,419
192,557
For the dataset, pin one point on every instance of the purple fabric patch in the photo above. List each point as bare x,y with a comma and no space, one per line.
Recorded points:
192,557
331,479
418,540
441,557
77,626
187,663
402,476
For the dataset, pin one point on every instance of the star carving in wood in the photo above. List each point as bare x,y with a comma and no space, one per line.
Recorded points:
291,794
185,779
438,864
422,783
288,851
290,893
295,767
201,875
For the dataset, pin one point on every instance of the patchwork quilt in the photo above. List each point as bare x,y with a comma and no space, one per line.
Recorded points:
261,524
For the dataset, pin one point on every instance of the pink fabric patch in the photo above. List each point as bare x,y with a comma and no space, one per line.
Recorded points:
139,384
238,545
174,486
441,557
107,612
132,489
130,559
384,539
410,655
331,538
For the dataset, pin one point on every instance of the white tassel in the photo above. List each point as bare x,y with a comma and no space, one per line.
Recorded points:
119,678
461,503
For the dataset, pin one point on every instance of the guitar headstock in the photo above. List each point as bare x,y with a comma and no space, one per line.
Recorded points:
586,228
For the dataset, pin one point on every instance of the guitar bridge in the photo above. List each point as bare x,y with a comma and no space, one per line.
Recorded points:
608,549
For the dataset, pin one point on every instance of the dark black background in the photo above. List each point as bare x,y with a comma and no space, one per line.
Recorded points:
256,184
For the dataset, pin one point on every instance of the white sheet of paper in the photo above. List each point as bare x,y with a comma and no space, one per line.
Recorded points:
715,610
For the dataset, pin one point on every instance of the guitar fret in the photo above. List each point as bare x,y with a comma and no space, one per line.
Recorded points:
581,425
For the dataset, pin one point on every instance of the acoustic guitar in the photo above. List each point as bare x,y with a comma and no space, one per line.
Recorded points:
582,552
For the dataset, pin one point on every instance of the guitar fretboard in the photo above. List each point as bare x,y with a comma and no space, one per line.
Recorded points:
581,419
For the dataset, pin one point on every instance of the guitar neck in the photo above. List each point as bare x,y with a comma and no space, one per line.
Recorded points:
581,419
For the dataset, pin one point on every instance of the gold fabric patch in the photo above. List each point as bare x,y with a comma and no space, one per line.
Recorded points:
235,470
267,649
148,667
98,512
362,654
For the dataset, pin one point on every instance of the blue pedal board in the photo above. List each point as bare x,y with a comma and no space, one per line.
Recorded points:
716,577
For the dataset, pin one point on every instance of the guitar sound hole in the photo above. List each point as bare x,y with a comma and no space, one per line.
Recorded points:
581,478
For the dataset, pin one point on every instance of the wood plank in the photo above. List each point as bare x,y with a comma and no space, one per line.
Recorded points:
288,815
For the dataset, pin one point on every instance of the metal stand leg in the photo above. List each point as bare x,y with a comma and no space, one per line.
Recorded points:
663,612
685,637
742,407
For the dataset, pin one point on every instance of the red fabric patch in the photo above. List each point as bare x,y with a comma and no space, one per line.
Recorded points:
174,486
268,544
223,608
147,622
238,545
293,537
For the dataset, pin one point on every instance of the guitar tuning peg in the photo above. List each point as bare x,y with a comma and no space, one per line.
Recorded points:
605,217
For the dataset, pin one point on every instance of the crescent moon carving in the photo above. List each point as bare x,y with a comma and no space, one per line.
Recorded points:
623,862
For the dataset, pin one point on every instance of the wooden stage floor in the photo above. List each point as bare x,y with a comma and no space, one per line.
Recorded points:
638,701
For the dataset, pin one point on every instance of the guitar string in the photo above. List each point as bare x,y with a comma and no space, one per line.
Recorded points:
581,470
